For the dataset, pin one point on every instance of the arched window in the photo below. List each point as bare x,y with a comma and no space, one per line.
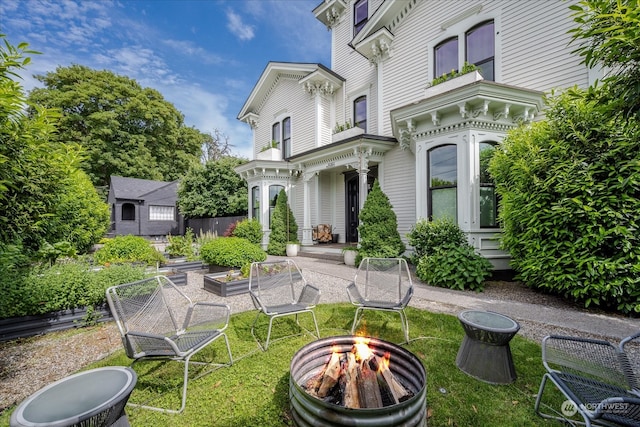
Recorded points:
360,112
276,136
443,182
286,137
274,190
128,212
255,202
480,48
446,57
488,197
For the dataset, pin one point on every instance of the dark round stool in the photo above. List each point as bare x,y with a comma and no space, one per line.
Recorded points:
485,353
91,398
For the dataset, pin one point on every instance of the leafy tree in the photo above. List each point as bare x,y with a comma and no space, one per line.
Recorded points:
570,202
284,227
214,189
125,129
609,35
379,236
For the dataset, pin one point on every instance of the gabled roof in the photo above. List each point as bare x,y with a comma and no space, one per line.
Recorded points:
272,73
135,188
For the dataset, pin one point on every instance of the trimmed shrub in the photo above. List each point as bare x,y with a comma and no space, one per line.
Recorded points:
427,236
454,266
569,203
379,236
284,227
232,252
250,229
129,248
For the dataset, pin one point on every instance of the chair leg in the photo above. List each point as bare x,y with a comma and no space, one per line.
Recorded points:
405,325
355,320
564,420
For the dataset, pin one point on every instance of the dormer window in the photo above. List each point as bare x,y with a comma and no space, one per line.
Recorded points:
360,15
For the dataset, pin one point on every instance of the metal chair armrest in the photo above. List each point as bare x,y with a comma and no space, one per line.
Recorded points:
354,294
309,296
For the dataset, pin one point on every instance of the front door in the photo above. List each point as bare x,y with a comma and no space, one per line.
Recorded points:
352,183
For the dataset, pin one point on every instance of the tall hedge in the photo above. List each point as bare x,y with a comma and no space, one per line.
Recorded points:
570,198
378,229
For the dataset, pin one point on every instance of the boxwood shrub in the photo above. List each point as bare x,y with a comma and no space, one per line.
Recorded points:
232,252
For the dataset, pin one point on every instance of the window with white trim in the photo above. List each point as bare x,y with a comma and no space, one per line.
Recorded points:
255,202
360,15
274,190
360,112
443,182
281,136
161,213
488,196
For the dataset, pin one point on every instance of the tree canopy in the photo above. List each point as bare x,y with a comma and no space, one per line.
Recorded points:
44,197
125,129
213,189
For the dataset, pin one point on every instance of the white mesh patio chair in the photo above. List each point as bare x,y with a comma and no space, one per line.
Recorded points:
595,377
381,284
158,321
278,288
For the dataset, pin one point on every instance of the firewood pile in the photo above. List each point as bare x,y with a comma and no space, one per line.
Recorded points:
322,233
358,379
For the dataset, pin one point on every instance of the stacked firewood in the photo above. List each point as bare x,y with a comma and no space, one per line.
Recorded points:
353,382
322,233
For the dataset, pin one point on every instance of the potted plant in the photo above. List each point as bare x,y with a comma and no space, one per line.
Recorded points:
292,248
350,253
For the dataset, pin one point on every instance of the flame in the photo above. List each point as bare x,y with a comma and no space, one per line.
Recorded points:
361,347
384,362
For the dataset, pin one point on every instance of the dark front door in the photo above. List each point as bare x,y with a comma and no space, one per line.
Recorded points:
353,209
353,202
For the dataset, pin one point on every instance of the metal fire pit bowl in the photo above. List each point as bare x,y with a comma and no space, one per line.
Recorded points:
313,412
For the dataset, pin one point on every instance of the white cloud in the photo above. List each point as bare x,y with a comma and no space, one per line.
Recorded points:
187,48
237,27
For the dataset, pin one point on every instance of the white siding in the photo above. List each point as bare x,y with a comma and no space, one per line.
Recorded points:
398,183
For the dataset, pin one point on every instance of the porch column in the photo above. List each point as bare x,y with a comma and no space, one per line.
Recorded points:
363,170
307,236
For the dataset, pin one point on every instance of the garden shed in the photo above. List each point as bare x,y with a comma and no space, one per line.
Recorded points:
143,207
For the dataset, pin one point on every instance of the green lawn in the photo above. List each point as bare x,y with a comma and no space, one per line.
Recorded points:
254,391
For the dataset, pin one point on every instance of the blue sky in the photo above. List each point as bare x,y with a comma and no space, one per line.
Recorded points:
204,56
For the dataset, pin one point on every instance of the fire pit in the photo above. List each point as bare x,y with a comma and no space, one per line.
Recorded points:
390,388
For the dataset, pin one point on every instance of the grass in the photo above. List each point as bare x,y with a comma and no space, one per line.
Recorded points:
254,391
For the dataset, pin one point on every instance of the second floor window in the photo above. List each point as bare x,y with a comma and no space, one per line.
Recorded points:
446,57
360,15
286,137
276,136
360,112
480,49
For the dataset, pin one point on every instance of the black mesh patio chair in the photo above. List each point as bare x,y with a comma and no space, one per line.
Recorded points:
381,284
158,321
594,376
278,288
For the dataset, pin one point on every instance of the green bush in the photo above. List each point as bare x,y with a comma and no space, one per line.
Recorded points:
427,236
62,286
379,236
232,252
569,203
250,229
182,245
454,266
284,227
129,248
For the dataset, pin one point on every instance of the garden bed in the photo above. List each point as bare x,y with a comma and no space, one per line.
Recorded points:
221,285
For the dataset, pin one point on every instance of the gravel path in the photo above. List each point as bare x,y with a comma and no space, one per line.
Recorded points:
29,364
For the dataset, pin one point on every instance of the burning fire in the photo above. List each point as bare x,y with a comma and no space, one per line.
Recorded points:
361,348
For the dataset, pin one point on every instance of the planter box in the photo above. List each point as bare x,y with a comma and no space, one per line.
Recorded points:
225,289
348,133
273,154
454,83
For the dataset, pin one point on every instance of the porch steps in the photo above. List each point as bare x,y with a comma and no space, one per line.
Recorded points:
331,252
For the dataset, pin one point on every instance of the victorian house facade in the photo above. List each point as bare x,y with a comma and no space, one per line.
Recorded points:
324,134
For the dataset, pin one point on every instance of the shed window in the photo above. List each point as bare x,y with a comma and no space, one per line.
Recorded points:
128,212
161,213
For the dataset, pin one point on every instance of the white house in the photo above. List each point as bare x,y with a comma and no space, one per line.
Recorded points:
423,143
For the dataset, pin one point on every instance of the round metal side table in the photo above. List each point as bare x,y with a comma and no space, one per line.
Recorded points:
485,353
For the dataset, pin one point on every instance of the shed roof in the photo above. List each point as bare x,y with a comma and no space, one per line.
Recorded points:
136,188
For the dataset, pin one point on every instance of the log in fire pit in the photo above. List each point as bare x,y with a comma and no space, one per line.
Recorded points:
363,381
